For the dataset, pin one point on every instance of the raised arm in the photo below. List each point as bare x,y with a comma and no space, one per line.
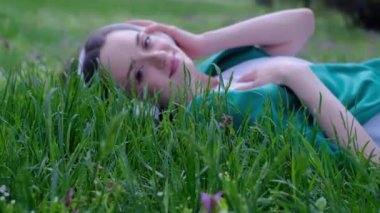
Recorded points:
334,119
280,33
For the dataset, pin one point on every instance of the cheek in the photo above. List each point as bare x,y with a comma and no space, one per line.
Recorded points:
187,63
155,80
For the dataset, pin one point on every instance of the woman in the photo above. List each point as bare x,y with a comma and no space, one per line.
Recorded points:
141,58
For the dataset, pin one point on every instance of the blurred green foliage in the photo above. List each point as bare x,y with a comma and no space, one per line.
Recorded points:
363,13
63,148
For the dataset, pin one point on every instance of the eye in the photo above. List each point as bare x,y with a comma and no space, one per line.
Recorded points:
146,42
139,74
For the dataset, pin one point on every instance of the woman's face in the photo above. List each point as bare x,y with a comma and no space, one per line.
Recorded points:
138,60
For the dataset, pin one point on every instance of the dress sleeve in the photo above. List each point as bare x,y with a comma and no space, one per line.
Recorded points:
357,86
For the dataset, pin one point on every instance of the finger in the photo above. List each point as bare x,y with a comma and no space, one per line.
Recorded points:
246,86
158,28
249,76
171,31
250,85
141,22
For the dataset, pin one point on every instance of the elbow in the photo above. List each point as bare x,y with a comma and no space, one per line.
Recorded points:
303,25
307,22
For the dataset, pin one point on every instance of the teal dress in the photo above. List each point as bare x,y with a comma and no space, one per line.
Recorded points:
356,85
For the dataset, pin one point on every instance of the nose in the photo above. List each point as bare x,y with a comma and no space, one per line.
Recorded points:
156,58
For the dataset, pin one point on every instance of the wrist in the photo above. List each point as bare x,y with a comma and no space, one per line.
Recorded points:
210,43
291,72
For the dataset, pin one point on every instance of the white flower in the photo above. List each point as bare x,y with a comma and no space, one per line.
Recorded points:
13,202
3,189
321,203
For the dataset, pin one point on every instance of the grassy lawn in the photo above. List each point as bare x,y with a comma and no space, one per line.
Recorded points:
65,149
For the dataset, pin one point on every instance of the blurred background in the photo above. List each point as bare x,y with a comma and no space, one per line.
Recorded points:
48,32
65,149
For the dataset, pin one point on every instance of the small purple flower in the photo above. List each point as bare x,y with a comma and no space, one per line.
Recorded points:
226,121
210,202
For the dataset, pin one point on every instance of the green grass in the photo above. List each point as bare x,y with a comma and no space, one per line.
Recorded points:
55,138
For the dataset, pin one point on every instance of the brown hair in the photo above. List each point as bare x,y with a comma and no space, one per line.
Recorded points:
87,64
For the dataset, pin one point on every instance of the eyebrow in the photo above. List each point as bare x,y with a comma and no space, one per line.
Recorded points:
130,68
138,38
132,65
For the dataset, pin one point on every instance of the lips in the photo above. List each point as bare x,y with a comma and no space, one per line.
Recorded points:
174,63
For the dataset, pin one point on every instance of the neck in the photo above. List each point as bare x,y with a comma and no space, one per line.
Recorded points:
214,83
207,82
210,82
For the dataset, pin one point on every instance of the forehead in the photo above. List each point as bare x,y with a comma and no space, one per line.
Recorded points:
118,51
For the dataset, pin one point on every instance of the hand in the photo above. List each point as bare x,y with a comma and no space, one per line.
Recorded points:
274,71
190,43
